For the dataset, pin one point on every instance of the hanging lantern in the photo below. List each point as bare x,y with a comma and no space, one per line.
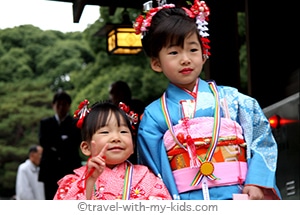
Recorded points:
121,38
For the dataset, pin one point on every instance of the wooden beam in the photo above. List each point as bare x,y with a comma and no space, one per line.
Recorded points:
78,6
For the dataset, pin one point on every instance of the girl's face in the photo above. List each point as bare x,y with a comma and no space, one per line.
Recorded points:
181,65
118,138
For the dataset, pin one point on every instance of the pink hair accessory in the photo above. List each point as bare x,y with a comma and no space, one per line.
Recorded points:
142,22
81,112
199,10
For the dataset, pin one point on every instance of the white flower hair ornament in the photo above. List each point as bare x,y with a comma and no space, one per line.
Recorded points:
199,10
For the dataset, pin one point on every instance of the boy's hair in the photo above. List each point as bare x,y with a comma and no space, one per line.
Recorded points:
61,95
169,26
98,116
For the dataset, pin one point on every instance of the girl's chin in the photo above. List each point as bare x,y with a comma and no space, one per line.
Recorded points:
114,162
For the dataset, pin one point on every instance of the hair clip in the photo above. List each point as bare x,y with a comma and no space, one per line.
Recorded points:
161,2
81,112
133,117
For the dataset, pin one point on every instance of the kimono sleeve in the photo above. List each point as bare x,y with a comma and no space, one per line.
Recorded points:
69,188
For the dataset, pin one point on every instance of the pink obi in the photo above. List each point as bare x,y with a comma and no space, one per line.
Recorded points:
228,173
202,127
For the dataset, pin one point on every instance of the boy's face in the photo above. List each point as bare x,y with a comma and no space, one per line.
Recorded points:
62,108
181,65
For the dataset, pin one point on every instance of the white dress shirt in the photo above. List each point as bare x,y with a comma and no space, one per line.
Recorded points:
27,185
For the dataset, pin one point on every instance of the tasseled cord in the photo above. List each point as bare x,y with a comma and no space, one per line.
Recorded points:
194,161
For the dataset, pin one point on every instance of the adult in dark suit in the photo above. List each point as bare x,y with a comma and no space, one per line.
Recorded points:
60,139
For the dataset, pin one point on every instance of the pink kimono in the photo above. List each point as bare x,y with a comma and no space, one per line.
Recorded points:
144,185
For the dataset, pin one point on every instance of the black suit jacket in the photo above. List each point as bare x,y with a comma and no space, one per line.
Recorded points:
61,148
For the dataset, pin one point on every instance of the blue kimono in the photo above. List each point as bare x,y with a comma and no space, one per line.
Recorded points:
261,151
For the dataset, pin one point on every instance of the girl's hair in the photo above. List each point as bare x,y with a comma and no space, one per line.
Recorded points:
168,26
98,117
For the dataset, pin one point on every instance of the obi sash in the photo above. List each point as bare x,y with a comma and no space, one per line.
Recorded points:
228,173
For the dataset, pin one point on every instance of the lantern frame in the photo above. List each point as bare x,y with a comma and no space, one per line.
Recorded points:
122,40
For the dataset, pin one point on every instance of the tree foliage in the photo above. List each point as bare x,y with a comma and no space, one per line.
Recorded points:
36,63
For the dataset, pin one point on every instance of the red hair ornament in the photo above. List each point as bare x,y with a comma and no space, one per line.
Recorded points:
133,117
81,112
199,11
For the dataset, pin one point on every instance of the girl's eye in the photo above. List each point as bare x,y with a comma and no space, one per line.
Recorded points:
103,132
173,53
124,131
194,50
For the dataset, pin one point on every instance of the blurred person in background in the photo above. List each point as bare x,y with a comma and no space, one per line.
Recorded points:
27,185
60,138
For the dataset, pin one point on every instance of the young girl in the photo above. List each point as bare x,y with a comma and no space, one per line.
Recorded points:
108,140
205,141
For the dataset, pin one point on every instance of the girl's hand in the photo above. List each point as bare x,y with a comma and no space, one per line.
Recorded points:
96,164
254,192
